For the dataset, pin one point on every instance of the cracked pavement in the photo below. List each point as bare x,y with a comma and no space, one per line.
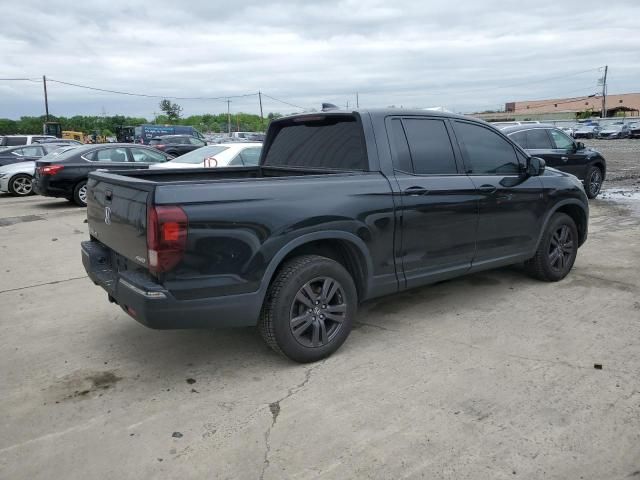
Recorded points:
487,376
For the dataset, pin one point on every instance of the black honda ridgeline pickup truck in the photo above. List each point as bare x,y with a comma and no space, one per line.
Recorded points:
343,207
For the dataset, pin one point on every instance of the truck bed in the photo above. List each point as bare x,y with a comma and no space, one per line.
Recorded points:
155,177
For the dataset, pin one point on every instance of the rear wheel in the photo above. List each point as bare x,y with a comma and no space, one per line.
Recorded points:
593,182
557,250
309,308
21,185
80,194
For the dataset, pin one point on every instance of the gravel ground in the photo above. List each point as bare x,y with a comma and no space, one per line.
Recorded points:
623,161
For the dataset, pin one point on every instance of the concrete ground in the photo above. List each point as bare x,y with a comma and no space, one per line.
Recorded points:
491,376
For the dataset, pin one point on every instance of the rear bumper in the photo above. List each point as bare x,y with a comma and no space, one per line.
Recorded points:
42,186
155,307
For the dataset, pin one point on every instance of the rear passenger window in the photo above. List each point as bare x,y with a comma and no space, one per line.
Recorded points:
486,152
538,139
430,146
402,157
520,138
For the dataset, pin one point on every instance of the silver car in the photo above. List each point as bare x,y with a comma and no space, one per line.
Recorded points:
17,178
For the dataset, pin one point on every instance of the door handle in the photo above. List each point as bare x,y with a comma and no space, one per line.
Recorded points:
488,189
415,191
564,159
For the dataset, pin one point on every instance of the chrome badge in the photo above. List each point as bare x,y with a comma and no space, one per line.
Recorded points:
107,215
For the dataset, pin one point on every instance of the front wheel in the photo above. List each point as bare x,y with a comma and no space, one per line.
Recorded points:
21,185
309,308
593,182
557,250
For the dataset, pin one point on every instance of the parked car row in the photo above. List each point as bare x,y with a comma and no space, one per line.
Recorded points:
61,170
589,129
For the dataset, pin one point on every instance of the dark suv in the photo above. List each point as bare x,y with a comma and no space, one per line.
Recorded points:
176,145
562,152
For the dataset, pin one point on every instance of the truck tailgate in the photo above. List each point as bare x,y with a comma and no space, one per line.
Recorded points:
117,217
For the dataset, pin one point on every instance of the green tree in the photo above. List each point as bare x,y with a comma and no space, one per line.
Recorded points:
172,110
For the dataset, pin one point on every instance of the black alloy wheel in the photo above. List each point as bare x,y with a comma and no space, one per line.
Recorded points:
318,312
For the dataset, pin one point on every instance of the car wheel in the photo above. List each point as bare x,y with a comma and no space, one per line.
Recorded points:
557,250
593,182
21,185
80,194
309,309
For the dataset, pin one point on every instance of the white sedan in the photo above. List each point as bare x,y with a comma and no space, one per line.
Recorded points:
220,155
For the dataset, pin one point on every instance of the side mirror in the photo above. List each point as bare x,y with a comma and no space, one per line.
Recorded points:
580,146
535,166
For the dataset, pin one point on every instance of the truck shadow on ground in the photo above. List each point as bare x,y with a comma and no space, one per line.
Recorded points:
171,353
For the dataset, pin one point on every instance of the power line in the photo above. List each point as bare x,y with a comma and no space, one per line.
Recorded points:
282,101
118,92
21,79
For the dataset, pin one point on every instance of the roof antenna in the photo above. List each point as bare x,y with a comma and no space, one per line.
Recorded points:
329,106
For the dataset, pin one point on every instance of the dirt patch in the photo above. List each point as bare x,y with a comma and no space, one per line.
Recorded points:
83,384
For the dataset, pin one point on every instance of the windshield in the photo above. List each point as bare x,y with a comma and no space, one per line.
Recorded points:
200,154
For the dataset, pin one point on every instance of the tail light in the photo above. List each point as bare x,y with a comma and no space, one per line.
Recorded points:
50,169
166,237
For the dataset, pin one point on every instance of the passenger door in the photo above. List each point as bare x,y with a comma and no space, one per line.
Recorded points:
566,155
510,211
438,203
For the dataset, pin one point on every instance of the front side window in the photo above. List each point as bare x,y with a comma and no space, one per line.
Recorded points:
118,155
538,139
196,142
486,152
430,146
143,155
561,141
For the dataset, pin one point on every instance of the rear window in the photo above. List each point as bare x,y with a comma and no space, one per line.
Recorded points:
332,142
13,141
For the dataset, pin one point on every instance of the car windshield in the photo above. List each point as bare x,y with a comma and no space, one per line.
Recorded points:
200,154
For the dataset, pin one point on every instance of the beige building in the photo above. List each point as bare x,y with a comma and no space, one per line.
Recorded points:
625,104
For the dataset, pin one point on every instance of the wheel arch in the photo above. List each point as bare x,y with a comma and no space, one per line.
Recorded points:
343,247
576,211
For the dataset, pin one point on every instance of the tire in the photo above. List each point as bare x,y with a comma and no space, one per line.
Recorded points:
593,182
557,251
308,293
21,185
80,194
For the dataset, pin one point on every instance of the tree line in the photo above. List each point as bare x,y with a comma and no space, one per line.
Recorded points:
106,125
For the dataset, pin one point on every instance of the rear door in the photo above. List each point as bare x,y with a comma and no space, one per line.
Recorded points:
510,210
438,202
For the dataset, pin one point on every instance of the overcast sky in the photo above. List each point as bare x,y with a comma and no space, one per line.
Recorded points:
466,55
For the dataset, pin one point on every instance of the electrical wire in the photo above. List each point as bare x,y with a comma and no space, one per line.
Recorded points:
118,92
282,101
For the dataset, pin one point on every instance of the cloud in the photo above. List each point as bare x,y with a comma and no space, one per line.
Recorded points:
466,55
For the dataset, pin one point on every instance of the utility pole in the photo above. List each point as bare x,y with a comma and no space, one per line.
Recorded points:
261,115
228,117
357,101
604,93
347,104
46,100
